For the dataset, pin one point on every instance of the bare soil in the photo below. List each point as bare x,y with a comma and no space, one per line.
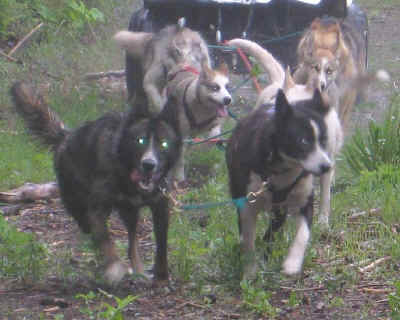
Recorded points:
55,296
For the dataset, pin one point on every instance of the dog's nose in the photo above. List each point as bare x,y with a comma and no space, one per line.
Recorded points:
325,167
148,165
227,100
323,86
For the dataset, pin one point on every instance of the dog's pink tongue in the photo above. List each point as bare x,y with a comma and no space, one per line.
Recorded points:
223,111
135,176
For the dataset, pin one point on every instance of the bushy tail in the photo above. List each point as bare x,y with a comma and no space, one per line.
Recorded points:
267,61
133,42
361,81
42,122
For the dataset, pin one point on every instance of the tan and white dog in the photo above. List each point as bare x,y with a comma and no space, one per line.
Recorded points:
156,54
199,98
334,52
296,92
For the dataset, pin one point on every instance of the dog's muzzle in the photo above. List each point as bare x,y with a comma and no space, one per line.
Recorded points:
147,176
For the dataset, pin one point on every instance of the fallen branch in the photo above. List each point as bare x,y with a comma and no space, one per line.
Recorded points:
99,75
363,213
377,291
9,57
303,289
374,264
31,192
24,39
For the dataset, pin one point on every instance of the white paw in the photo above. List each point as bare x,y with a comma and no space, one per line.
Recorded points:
115,272
292,266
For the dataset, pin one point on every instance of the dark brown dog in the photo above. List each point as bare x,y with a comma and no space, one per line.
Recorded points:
116,162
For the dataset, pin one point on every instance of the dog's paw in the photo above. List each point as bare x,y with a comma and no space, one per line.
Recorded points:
115,272
292,266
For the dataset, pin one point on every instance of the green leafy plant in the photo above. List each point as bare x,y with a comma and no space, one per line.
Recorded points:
379,145
115,313
104,310
257,299
21,256
79,15
394,301
5,15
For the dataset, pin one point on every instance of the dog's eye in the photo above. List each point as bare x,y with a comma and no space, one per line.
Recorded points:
213,87
142,141
304,141
328,71
316,67
164,145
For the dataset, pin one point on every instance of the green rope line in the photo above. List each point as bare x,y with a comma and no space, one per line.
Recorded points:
191,142
287,36
229,48
238,203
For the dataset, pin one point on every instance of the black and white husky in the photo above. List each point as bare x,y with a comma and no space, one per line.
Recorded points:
278,151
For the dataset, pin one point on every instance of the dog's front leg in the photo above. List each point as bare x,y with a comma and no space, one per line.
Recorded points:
294,261
247,232
160,212
325,205
115,268
178,171
130,217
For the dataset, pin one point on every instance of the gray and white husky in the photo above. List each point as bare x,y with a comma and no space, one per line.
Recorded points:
155,55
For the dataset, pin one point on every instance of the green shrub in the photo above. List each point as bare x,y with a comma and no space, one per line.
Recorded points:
380,144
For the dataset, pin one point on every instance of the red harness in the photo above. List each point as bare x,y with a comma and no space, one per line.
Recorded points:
184,69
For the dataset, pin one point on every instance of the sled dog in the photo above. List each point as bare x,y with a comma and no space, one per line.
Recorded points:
275,153
155,54
200,98
117,162
334,52
296,92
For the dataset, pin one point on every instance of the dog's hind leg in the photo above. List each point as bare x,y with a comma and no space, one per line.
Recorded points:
294,261
278,219
150,82
160,212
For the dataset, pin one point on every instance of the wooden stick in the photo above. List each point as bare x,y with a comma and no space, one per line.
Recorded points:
374,264
9,57
99,75
303,289
24,39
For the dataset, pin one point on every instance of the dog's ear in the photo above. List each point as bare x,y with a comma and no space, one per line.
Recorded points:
288,82
206,71
181,23
320,101
223,68
282,107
